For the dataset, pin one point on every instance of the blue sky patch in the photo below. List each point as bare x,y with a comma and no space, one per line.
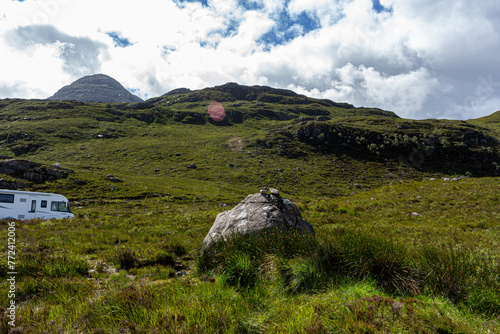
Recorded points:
213,38
379,8
166,50
119,41
180,3
288,28
251,5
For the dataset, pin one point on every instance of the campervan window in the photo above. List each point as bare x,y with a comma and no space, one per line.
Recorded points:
59,206
6,198
43,204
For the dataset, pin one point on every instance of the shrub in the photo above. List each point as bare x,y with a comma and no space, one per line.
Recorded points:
176,248
126,258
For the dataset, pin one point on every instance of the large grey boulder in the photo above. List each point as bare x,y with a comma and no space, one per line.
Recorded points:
257,213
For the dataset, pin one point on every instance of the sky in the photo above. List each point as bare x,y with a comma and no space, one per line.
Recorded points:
419,58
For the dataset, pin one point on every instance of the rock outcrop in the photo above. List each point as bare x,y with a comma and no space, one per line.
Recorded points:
31,171
96,88
257,213
13,185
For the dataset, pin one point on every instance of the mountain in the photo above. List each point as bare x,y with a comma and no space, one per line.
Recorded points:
95,88
266,136
255,102
232,91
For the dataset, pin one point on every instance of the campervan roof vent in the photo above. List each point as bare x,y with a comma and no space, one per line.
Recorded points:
22,200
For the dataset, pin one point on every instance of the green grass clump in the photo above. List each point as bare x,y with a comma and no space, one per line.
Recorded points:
286,244
361,255
462,275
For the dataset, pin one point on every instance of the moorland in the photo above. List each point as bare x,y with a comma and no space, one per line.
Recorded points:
406,214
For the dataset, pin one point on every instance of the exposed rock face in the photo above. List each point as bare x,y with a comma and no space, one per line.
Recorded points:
13,185
96,88
257,213
31,171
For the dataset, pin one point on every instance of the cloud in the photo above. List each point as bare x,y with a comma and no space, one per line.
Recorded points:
405,93
14,89
417,58
81,55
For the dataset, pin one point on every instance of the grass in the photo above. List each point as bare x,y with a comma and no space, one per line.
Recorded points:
398,249
143,270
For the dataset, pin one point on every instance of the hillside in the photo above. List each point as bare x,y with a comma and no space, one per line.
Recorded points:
491,122
95,88
269,136
405,214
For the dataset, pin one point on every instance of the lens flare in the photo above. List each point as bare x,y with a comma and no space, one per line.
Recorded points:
216,111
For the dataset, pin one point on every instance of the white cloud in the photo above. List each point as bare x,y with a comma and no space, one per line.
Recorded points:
422,59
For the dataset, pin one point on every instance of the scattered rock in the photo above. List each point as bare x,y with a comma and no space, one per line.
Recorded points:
456,178
263,190
191,166
113,179
416,214
255,214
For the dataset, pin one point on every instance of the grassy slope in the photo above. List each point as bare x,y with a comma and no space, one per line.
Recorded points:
156,219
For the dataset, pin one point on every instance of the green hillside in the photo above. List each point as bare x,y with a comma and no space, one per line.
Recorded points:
405,213
269,137
491,122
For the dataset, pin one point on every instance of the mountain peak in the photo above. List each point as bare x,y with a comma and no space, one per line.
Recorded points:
95,88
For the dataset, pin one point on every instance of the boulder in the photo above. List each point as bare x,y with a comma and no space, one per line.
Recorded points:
257,213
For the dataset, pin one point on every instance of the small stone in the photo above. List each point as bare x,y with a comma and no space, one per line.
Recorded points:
263,190
114,179
275,192
192,166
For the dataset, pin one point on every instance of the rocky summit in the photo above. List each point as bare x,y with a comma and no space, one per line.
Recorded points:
257,213
96,88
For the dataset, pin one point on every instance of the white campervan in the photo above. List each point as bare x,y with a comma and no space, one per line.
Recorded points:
27,205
